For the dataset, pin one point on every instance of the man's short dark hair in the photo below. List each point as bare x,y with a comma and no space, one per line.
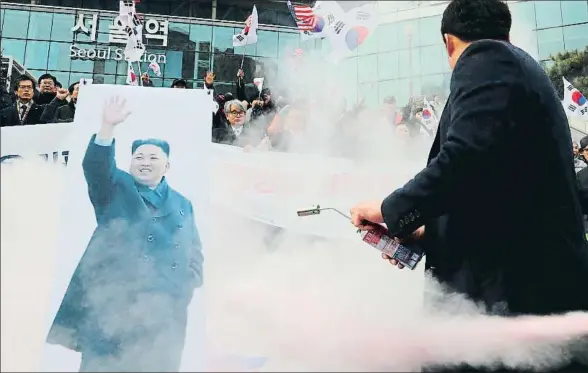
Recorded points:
58,84
72,87
472,20
47,76
24,78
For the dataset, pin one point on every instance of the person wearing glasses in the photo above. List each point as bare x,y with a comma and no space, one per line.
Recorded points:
24,111
236,130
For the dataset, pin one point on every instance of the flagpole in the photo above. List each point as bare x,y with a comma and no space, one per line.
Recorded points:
140,73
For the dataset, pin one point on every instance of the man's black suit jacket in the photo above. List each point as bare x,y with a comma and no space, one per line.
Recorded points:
499,227
10,116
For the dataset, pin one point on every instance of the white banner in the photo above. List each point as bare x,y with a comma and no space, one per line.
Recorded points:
267,187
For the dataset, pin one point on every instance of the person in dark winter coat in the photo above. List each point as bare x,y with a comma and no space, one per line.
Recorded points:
126,306
47,89
513,249
236,130
59,110
24,111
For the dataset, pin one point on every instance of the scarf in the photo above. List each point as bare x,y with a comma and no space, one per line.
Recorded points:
155,197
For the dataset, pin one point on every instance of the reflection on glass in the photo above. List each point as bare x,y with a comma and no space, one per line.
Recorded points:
388,65
14,48
267,44
574,12
59,57
387,36
408,62
201,65
549,42
576,37
548,13
16,24
429,33
408,34
367,68
39,24
179,37
432,60
110,67
222,39
201,35
61,29
523,15
103,35
62,77
36,54
83,66
173,66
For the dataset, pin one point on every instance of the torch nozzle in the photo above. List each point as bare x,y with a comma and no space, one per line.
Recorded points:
307,212
317,210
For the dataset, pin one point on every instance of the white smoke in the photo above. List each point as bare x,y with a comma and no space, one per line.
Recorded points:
305,303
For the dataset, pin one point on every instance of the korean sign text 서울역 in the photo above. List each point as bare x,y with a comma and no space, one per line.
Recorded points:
155,31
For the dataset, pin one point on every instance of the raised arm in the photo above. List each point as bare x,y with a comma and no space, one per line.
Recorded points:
99,164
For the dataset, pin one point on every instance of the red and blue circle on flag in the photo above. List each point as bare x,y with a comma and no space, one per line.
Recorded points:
426,114
578,98
356,36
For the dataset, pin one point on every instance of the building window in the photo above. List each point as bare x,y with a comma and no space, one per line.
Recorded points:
16,24
576,37
267,44
550,42
222,39
429,31
36,55
14,48
387,37
201,35
574,12
59,58
367,68
61,28
39,24
432,60
548,13
287,43
388,65
523,15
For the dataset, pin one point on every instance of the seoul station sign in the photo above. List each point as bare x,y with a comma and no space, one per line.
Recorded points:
153,29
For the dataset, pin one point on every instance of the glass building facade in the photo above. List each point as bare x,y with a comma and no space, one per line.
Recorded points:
404,56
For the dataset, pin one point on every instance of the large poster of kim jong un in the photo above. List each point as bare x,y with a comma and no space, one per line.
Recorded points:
131,254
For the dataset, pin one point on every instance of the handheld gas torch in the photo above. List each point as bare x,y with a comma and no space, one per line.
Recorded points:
408,255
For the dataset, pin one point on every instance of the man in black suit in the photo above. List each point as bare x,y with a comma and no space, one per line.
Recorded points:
24,111
505,232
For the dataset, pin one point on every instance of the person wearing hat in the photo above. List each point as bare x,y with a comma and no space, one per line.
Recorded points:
125,308
179,83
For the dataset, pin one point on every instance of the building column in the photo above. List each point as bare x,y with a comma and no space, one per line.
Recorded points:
214,3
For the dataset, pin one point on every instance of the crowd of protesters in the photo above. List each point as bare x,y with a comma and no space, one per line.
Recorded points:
257,120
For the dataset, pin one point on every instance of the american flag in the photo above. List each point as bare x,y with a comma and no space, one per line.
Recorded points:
303,15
